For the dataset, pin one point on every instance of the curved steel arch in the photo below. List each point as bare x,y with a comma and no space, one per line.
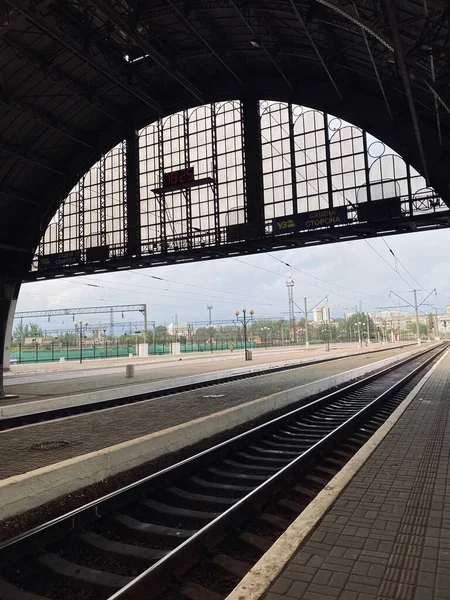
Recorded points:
102,77
175,227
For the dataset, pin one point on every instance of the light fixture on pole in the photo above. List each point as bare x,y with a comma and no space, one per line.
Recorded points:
79,327
245,320
359,334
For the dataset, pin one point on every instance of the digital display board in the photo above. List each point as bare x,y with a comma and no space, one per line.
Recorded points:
310,220
379,210
178,178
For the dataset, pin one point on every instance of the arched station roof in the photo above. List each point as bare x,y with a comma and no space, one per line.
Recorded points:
77,76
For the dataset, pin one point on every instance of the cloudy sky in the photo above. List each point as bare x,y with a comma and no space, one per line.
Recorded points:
347,272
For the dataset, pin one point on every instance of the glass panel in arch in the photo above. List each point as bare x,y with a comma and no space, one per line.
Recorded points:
310,159
115,198
150,178
347,163
276,158
230,162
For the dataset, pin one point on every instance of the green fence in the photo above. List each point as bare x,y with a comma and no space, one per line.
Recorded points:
36,353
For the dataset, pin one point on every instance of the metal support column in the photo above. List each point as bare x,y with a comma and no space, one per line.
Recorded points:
81,217
253,163
292,153
133,197
9,291
214,173
102,198
187,192
328,161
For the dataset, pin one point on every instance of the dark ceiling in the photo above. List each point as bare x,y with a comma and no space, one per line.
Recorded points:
76,76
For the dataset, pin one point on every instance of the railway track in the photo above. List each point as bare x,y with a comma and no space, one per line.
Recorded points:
192,530
7,423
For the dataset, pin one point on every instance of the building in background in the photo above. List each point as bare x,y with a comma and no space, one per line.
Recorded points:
321,314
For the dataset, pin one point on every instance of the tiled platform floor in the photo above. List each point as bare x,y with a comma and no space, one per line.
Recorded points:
93,431
387,536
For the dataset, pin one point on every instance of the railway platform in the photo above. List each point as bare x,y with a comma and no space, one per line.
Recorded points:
57,457
381,528
52,380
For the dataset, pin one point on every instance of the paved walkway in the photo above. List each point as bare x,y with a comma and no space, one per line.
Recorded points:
94,431
50,382
387,536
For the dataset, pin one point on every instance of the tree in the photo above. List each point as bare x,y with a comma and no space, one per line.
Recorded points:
423,330
18,335
22,331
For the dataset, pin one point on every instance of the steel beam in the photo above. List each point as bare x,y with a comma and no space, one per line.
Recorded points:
263,48
30,158
133,194
253,164
372,60
316,49
87,310
74,46
46,120
404,73
194,31
59,77
18,195
140,41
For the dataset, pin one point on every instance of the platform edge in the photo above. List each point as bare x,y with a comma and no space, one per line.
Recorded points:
264,573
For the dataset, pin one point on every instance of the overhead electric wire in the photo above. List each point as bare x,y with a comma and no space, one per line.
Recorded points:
150,290
388,263
324,280
400,263
303,282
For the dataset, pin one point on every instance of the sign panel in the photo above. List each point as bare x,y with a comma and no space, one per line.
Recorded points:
97,253
379,210
310,220
177,178
62,259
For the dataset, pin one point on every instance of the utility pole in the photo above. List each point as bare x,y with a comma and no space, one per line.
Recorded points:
436,326
306,324
368,328
210,307
290,287
359,335
416,308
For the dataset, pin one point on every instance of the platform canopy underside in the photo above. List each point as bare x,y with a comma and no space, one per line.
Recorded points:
78,78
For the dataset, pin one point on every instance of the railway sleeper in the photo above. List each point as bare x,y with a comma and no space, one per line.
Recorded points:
81,575
230,566
12,592
224,487
127,552
137,528
192,499
175,511
193,591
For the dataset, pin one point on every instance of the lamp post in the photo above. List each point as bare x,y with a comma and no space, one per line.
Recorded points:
79,326
327,344
265,331
245,320
359,334
137,333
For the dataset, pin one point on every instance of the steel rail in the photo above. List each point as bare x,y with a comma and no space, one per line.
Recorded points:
150,583
180,559
44,416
